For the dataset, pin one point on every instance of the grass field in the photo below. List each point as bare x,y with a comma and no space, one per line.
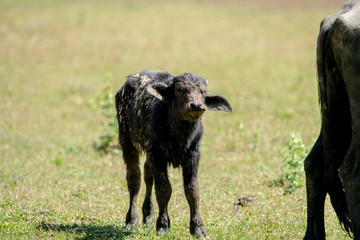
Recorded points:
54,56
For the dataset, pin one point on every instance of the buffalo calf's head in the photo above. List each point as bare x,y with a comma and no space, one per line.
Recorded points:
187,94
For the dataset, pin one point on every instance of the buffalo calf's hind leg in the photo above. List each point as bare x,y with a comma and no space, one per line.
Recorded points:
316,191
133,178
148,207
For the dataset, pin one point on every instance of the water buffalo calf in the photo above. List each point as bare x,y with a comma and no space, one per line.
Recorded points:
161,115
333,165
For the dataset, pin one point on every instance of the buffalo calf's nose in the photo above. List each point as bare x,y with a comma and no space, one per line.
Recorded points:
197,106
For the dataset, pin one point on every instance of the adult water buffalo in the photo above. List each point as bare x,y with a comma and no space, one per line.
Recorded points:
333,165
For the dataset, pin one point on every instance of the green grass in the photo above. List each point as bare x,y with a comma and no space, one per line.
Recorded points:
54,57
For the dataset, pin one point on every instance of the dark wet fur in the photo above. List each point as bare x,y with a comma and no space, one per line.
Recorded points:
161,115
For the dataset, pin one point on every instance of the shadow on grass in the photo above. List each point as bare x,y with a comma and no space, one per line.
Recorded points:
88,231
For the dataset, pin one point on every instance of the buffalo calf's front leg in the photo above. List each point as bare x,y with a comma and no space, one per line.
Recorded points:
192,196
163,193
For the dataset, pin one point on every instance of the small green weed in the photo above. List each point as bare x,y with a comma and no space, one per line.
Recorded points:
293,156
105,101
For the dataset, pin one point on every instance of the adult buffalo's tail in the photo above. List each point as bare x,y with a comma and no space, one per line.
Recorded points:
336,120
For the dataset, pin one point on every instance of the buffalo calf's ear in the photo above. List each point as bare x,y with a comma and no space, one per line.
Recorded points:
158,90
217,102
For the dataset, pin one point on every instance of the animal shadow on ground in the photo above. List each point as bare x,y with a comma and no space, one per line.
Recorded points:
88,231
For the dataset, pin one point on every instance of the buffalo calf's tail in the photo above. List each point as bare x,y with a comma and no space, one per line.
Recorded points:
119,113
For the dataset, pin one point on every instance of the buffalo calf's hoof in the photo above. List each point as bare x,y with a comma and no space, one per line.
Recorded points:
162,225
198,230
148,212
132,221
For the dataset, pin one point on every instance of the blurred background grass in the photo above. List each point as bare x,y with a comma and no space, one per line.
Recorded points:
54,57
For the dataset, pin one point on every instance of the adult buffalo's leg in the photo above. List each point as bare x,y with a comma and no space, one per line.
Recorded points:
192,195
350,170
350,175
316,191
347,50
148,207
